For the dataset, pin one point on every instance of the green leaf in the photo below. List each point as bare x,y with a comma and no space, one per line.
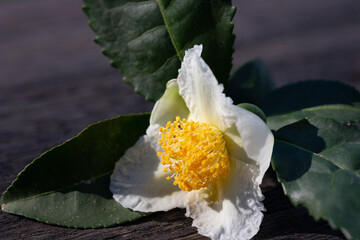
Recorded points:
316,98
307,94
338,112
250,83
69,184
146,40
317,162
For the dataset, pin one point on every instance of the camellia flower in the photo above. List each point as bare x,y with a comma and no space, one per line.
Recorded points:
201,153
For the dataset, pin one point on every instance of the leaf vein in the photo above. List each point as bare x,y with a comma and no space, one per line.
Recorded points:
170,4
129,4
172,37
146,32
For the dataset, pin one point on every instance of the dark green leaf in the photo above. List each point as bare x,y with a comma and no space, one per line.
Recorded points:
340,113
317,98
69,184
146,40
294,97
250,83
317,162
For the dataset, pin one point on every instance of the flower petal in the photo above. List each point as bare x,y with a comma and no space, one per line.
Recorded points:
237,212
257,139
170,105
249,139
138,181
201,91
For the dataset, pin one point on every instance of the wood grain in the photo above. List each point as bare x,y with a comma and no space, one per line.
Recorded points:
54,82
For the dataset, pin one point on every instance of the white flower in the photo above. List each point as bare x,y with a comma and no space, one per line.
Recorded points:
210,163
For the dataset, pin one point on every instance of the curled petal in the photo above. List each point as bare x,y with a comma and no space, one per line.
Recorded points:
139,182
249,139
257,139
201,91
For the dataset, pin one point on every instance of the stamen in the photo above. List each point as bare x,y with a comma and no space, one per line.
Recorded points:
195,152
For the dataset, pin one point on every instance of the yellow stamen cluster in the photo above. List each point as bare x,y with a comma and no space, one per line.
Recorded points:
195,152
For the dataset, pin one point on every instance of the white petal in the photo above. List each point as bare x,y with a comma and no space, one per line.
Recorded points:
201,91
170,105
250,134
138,181
237,213
257,139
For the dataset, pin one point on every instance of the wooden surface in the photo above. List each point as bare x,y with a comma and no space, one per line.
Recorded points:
54,82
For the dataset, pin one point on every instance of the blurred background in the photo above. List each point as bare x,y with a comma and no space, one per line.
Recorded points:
54,81
301,40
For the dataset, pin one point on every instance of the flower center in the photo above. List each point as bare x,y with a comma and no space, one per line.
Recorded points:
195,152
